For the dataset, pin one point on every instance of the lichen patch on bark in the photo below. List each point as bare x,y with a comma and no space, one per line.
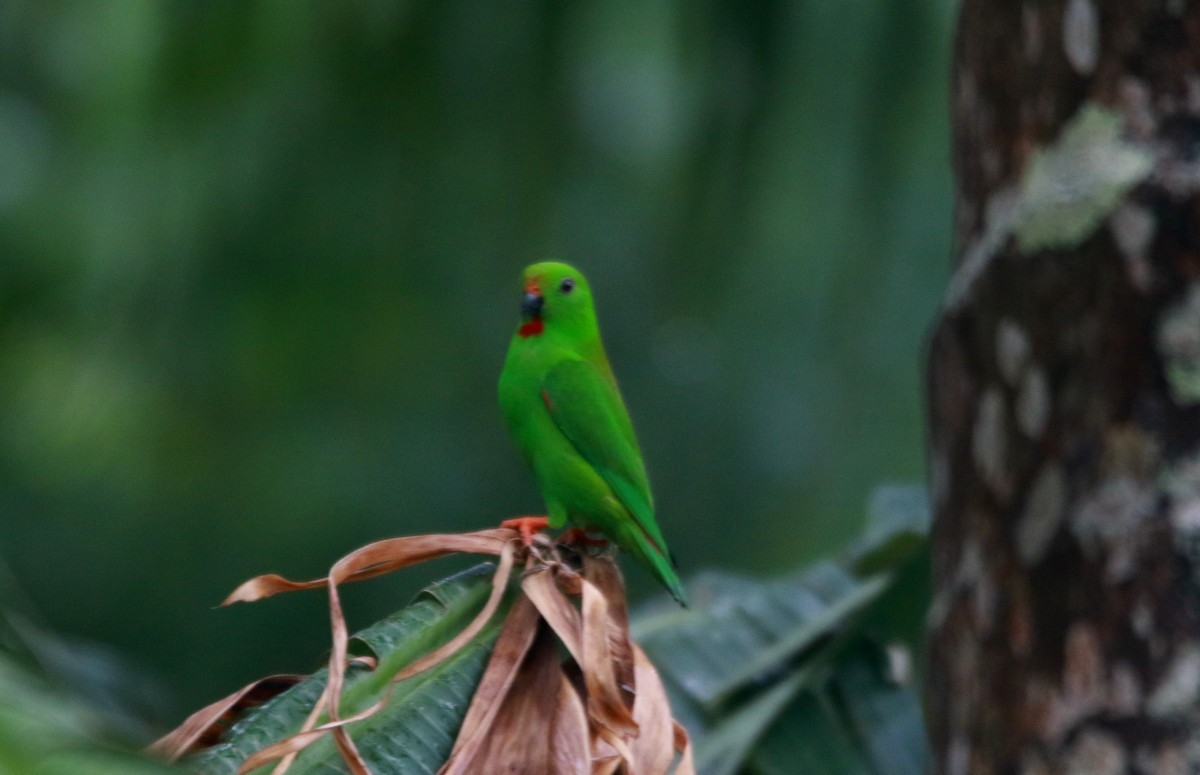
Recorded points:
1076,181
1081,35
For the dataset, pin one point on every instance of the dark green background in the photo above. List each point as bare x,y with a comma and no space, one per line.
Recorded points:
258,270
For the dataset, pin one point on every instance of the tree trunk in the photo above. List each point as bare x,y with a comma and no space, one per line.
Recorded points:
1064,382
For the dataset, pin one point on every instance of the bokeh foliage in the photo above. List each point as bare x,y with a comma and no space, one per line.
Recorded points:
257,275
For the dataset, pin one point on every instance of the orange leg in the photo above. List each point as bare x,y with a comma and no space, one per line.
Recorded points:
527,526
580,538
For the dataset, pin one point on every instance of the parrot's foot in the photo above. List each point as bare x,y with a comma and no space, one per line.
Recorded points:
581,538
527,526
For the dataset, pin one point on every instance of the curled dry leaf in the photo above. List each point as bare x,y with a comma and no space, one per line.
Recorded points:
539,586
379,558
527,714
346,568
288,748
508,657
606,705
614,718
571,743
683,745
654,747
521,737
202,728
606,576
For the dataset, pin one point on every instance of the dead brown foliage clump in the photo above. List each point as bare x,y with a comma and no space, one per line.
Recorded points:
602,710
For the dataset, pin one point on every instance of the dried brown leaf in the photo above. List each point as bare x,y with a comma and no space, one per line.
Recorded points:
608,746
654,748
299,742
519,740
203,728
558,612
606,576
607,766
349,567
508,655
379,558
499,586
345,568
604,701
569,739
683,745
526,715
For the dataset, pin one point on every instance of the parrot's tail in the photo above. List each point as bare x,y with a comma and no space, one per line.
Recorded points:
661,564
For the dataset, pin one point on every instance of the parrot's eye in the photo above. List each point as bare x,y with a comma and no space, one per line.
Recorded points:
567,285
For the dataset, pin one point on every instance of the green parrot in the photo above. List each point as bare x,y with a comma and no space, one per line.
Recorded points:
562,406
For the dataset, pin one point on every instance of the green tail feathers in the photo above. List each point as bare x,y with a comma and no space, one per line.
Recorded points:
662,566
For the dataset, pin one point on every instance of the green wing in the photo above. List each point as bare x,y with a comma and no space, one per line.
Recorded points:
587,408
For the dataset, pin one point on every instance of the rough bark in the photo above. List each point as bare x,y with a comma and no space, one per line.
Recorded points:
1064,384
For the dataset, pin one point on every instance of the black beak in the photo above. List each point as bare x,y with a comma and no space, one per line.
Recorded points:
531,305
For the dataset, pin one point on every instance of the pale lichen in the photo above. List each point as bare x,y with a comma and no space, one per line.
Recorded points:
1111,514
1181,483
1081,35
1095,752
1179,344
1141,620
1033,404
999,216
988,440
1042,515
958,757
1074,183
1179,688
1012,350
1133,228
1108,521
1066,191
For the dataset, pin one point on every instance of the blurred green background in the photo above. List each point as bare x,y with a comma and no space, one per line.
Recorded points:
258,271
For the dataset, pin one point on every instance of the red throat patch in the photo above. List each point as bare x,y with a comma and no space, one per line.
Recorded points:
532,328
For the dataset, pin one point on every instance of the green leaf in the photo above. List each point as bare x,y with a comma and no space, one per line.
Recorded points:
725,748
414,732
430,705
738,632
898,519
859,722
810,736
45,731
787,675
884,713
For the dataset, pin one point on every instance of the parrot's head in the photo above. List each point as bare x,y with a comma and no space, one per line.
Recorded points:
556,295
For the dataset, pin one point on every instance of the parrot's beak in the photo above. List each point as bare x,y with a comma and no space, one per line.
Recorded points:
531,305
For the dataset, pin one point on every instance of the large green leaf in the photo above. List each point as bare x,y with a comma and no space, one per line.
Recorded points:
423,713
859,722
790,675
739,632
898,520
415,732
48,732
